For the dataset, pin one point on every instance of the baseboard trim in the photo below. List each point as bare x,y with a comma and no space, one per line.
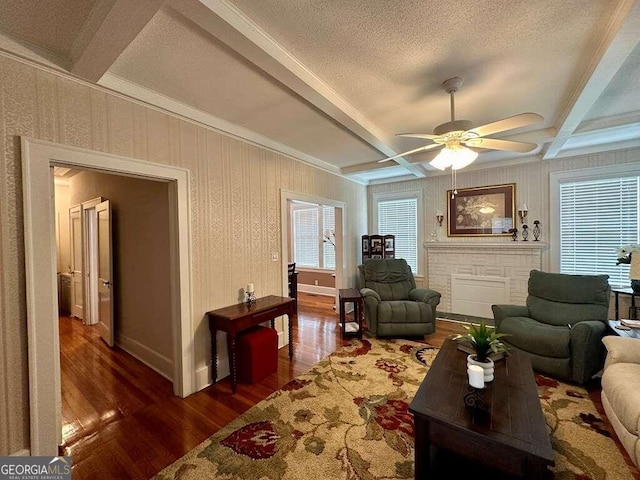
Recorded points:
317,290
149,357
25,452
203,374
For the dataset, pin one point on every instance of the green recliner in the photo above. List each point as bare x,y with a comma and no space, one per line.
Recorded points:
393,305
562,326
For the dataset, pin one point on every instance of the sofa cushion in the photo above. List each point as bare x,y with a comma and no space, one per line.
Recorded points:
621,382
538,338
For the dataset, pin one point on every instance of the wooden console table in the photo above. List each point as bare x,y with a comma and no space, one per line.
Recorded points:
236,318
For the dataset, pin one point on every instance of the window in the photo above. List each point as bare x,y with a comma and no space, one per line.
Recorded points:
305,237
596,217
312,224
399,217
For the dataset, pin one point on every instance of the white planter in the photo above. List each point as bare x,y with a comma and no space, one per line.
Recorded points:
488,367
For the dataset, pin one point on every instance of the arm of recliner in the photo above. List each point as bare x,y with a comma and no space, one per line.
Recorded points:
428,296
371,301
587,351
621,350
425,295
500,312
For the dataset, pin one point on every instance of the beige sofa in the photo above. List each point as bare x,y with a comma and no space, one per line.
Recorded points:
621,391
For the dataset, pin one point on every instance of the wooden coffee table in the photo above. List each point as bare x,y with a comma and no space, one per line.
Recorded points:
514,440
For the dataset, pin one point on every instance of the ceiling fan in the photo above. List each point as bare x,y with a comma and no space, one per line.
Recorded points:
455,136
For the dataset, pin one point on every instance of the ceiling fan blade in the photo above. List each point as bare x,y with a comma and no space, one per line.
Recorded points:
418,135
409,152
495,144
510,123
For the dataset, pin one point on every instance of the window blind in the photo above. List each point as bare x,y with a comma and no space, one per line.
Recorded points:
329,225
597,217
399,217
306,235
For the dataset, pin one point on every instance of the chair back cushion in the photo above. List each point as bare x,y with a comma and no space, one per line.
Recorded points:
390,278
561,299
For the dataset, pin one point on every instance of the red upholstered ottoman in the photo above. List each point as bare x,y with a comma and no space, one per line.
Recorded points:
256,354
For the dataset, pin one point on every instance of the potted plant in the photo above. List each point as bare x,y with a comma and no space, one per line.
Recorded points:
483,341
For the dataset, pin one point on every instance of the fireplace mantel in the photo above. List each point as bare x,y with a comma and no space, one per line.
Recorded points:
510,245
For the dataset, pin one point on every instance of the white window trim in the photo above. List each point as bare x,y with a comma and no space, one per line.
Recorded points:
570,176
404,195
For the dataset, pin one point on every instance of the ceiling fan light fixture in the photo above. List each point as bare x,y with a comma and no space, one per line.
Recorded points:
456,158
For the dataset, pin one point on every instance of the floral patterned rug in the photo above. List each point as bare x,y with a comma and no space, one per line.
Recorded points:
348,418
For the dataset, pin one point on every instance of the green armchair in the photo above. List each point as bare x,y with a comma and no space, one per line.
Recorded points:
562,326
393,305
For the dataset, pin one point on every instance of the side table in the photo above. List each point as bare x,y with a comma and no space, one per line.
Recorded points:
633,309
632,332
352,295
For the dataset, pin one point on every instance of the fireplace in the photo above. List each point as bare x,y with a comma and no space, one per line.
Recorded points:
471,276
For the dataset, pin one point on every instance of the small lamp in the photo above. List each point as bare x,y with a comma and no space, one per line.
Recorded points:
522,212
439,217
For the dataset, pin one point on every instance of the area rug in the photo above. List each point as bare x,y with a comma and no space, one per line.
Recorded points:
348,418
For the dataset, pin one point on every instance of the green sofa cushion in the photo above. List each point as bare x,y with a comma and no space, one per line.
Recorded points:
538,338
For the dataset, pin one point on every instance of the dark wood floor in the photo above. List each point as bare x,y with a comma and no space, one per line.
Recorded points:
121,420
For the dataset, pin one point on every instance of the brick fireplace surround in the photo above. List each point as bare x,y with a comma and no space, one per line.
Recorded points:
479,270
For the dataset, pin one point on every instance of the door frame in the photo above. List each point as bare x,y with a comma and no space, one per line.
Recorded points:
341,245
38,158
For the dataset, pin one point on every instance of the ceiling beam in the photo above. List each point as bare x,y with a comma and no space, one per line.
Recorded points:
622,36
232,27
108,31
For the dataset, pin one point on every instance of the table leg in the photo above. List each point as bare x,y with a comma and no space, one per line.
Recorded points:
342,318
231,347
291,314
214,357
617,306
422,448
273,323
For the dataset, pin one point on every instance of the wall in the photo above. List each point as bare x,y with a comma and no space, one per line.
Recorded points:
62,217
142,290
235,195
532,187
309,277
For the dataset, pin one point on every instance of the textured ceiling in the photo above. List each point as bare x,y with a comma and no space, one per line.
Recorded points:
333,81
622,95
177,58
52,25
382,54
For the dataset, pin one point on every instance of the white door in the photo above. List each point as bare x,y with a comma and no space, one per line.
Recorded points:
105,274
75,234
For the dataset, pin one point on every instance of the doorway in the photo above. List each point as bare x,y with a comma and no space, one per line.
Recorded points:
336,236
44,363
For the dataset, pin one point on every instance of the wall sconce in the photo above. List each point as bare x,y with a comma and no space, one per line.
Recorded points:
522,212
439,217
